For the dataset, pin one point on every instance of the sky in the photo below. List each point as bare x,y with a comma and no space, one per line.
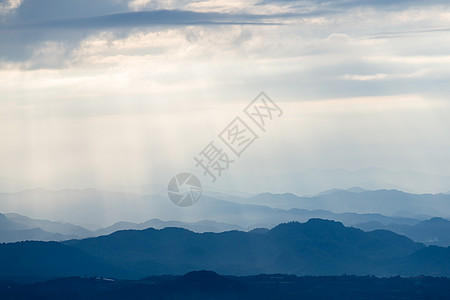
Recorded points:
126,93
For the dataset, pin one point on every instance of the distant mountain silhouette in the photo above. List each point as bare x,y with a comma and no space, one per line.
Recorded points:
435,231
265,210
15,228
314,181
317,247
431,261
200,226
50,226
34,234
6,224
84,205
387,202
351,190
51,259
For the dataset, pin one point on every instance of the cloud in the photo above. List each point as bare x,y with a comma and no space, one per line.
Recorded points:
8,6
155,18
385,76
39,10
27,37
139,4
40,21
136,79
382,4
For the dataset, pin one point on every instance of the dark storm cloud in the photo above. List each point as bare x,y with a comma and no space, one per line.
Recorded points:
68,22
32,10
149,18
21,35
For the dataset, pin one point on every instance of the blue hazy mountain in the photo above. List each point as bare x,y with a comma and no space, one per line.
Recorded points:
7,225
435,231
267,210
50,226
11,231
263,210
200,226
15,228
83,206
106,208
387,202
34,234
37,260
314,181
317,247
306,182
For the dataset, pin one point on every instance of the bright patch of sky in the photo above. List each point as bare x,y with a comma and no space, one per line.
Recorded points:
126,92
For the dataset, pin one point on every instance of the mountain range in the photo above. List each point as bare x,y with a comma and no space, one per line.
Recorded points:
314,181
16,228
90,206
435,231
229,212
386,202
317,247
305,182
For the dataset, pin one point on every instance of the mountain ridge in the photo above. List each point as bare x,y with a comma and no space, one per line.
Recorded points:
316,247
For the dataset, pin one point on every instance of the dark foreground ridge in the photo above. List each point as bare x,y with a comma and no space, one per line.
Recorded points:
317,247
209,285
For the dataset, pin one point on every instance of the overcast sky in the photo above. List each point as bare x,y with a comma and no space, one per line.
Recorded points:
102,92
